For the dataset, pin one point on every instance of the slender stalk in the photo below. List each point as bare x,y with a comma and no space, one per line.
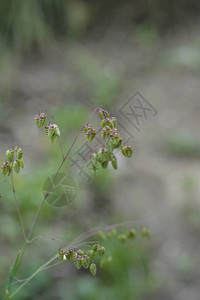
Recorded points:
14,268
93,232
51,238
92,114
13,271
61,148
33,275
64,159
2,181
47,193
17,207
52,266
66,173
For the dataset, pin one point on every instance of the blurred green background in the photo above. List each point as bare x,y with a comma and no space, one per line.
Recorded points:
68,57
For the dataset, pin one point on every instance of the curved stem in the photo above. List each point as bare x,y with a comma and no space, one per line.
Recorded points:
47,193
54,265
51,238
45,265
64,159
2,181
14,270
33,275
95,230
92,114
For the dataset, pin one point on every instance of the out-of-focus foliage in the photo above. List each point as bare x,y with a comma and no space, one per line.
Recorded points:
128,276
82,75
103,83
182,144
29,25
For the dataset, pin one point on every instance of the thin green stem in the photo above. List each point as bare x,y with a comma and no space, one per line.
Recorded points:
33,275
61,148
13,271
17,207
64,159
51,238
47,193
93,232
14,268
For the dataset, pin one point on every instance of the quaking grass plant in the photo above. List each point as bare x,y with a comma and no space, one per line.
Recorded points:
100,157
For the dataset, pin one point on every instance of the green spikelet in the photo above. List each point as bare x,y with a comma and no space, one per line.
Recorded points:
16,166
93,269
10,155
40,119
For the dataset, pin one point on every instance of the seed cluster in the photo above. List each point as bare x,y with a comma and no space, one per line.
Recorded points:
81,258
90,132
110,134
14,161
123,237
86,259
146,233
52,130
40,119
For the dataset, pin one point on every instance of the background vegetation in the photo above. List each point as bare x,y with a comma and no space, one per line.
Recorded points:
68,57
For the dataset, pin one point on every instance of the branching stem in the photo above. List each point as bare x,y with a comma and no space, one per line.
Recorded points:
14,268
